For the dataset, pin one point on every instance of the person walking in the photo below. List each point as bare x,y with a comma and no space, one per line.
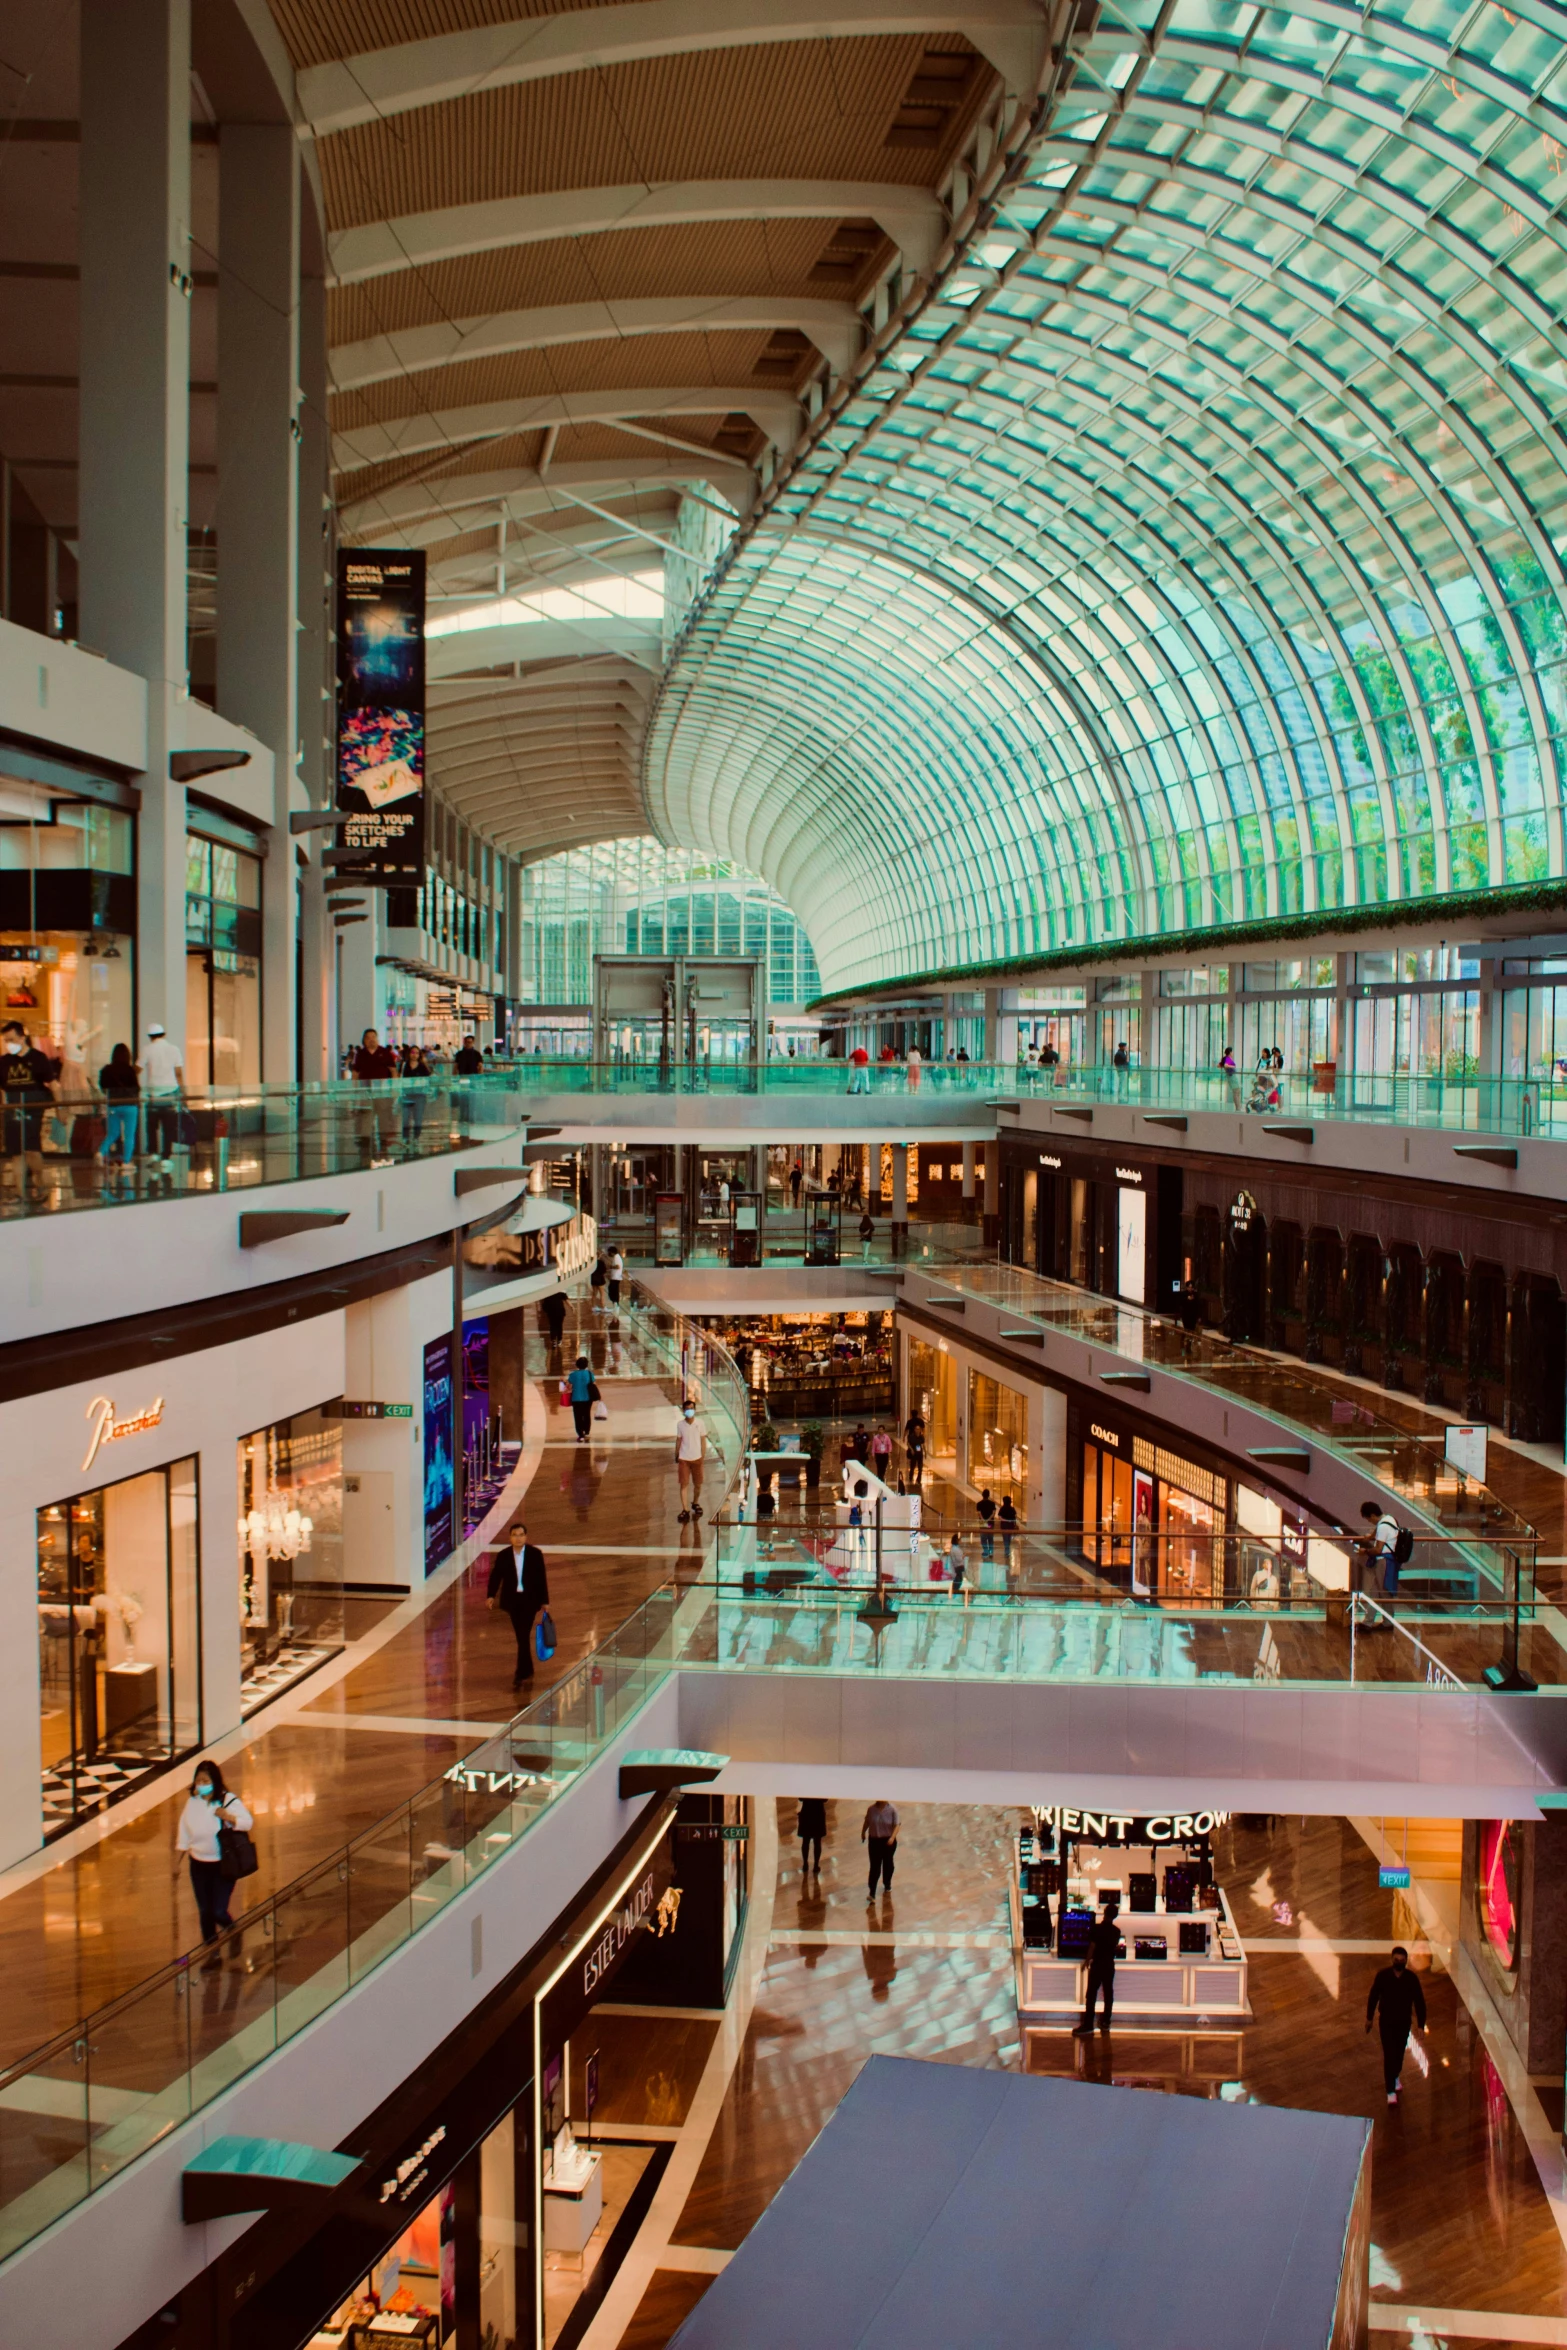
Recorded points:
552,1312
914,1445
121,1090
210,1809
1007,1520
375,1063
163,1081
867,1237
914,1067
690,1455
1120,1062
957,1567
879,1830
616,1270
581,1394
810,1825
1231,1074
859,1070
1396,1999
796,1179
985,1511
416,1074
1104,1944
596,1281
881,1452
519,1587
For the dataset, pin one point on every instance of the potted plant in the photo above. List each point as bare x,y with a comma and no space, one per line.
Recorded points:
813,1442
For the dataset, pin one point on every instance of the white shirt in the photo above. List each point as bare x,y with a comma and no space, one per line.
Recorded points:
199,1825
160,1065
617,1264
689,1439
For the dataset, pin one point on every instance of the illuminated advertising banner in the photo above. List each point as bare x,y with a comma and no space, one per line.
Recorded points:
438,1465
380,715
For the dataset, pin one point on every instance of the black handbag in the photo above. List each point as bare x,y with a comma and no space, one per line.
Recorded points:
237,1853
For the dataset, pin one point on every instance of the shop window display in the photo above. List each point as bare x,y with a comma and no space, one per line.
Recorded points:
222,964
67,928
997,1439
290,1552
1498,1882
118,1639
933,1388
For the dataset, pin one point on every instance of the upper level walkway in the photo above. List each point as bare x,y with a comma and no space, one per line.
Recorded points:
398,1784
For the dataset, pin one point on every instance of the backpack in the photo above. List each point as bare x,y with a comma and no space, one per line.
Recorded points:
1404,1547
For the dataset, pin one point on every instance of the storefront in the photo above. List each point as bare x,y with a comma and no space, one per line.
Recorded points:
1184,1962
67,919
119,1630
500,2188
290,1552
1109,1221
829,1366
222,949
1174,1523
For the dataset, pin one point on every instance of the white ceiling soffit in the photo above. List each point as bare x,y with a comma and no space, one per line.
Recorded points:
1010,34
911,217
452,494
775,413
544,640
833,327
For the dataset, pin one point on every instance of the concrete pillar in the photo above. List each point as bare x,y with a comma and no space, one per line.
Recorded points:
319,1044
1342,1040
900,1198
992,1193
968,1172
258,510
134,429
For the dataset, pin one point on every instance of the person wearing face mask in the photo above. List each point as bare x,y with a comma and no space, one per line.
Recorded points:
211,1808
690,1454
1397,1998
26,1087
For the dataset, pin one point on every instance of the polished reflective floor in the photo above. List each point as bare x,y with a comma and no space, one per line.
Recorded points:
1461,2222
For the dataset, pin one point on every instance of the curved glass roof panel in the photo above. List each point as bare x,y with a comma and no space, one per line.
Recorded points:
1196,556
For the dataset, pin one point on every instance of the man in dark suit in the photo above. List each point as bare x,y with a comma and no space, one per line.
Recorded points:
519,1586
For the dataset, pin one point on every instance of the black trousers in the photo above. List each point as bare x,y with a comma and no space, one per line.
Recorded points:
582,1414
1101,1981
882,1850
213,1891
522,1616
806,1844
1393,2046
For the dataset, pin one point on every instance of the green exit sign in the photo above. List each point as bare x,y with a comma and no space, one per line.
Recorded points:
367,1411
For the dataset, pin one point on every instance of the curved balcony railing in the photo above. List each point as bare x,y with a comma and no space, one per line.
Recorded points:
75,2113
65,1151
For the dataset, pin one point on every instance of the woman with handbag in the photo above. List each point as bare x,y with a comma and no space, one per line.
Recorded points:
215,1832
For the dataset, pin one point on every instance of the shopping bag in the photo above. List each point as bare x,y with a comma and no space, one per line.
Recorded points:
544,1637
565,1395
601,1410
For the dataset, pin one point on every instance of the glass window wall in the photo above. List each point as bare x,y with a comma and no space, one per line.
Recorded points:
290,1552
222,964
119,1638
997,1439
933,1392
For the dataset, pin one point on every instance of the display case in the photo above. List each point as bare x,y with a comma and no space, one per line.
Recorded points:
1183,1958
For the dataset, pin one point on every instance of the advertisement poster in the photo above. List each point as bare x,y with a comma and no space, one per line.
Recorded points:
437,1453
380,714
475,1379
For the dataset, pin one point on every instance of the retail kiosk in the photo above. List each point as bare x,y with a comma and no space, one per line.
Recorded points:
1183,1960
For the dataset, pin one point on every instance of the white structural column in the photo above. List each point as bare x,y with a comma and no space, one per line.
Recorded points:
992,1210
258,510
134,444
968,1171
317,1040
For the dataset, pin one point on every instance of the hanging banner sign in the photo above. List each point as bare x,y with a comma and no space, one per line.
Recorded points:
380,715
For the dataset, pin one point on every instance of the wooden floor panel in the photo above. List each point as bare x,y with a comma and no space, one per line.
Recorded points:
664,2308
649,2067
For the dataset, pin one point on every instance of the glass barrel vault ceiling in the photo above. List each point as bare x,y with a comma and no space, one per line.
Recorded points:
1196,556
